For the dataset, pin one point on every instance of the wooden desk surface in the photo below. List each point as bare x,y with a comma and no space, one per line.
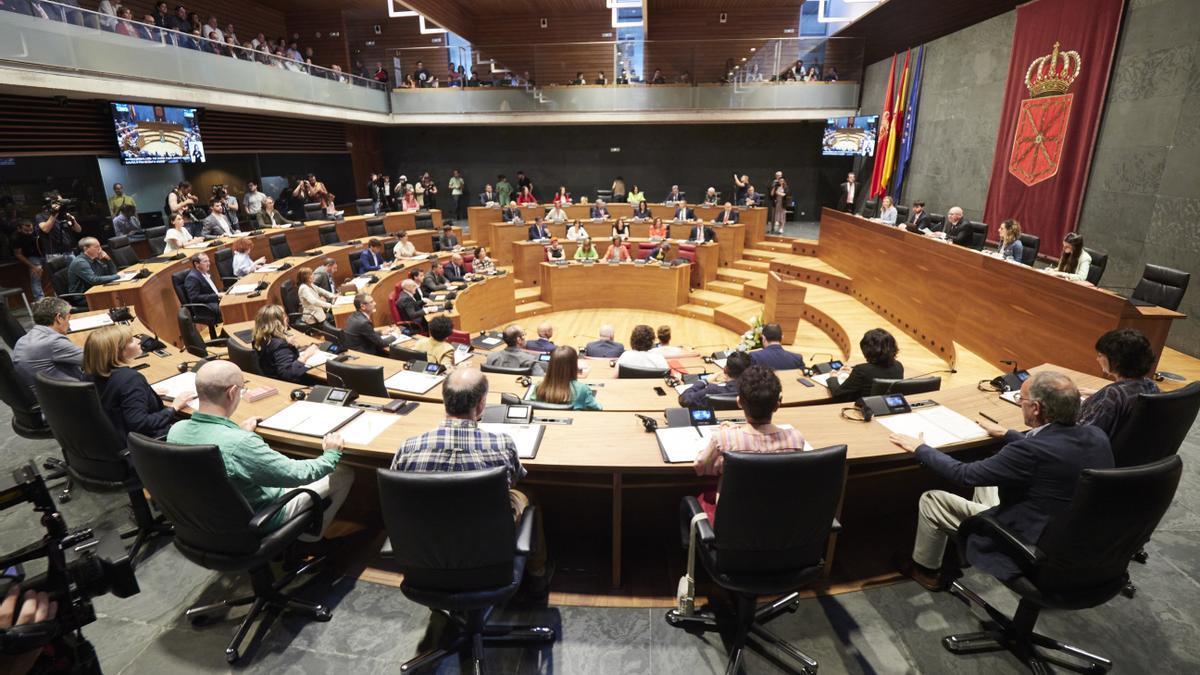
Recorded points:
752,219
529,255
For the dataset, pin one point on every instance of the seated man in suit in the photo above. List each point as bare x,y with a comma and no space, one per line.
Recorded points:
512,214
957,229
46,347
359,333
683,213
661,253
448,241
918,219
538,231
514,354
542,343
325,276
435,280
701,233
605,347
600,210
489,197
91,267
773,355
1029,481
752,197
371,258
695,396
727,215
217,223
410,306
674,196
269,217
199,286
455,270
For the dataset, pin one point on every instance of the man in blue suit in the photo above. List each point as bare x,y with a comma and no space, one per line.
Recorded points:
199,286
674,196
1028,482
683,213
600,210
538,231
455,270
773,355
726,216
543,343
512,213
371,258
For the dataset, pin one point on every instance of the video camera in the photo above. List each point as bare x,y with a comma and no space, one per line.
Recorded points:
59,205
81,564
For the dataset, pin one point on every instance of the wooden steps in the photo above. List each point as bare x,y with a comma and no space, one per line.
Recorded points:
738,276
725,287
752,265
778,246
528,294
531,308
701,312
738,315
706,298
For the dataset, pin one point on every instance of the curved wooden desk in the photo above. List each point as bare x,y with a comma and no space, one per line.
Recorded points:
650,286
529,255
504,237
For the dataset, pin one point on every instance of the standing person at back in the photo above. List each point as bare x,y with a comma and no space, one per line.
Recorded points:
849,191
773,355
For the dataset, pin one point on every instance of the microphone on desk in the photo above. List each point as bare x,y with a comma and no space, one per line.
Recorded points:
1010,363
819,368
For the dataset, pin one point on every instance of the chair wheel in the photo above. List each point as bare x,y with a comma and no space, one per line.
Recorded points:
322,614
1129,591
231,655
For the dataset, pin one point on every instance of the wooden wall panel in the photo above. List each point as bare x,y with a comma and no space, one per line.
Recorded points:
238,132
366,155
365,46
744,30
44,126
521,44
248,17
331,46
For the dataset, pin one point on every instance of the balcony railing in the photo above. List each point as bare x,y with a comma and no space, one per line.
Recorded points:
63,37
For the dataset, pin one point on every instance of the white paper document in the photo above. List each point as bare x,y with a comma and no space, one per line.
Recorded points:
175,385
126,276
366,427
320,358
310,419
89,322
526,436
941,426
242,289
197,243
343,300
491,341
359,283
413,382
680,444
823,379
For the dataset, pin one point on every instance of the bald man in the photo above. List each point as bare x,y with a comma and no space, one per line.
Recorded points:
410,305
605,347
514,354
259,473
90,268
542,343
456,269
957,228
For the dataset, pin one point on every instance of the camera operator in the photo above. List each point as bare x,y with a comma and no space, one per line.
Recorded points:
221,194
57,229
35,607
181,200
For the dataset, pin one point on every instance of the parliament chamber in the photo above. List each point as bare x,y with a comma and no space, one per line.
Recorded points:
418,424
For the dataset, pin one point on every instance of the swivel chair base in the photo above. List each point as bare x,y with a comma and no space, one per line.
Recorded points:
471,632
58,469
267,595
750,619
148,525
1016,635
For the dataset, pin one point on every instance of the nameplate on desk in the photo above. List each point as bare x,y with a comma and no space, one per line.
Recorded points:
310,419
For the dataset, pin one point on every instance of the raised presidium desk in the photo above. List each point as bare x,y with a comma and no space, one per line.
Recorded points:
608,452
753,220
157,304
942,294
506,238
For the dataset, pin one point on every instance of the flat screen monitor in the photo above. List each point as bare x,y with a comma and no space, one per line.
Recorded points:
849,136
157,134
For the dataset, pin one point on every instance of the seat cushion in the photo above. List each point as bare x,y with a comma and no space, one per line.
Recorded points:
467,600
270,546
757,583
1083,598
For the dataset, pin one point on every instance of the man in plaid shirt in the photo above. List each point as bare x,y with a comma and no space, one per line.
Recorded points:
458,444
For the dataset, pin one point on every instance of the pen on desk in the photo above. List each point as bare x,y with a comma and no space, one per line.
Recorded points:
988,418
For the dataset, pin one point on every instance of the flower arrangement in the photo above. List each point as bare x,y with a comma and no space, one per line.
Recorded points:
752,339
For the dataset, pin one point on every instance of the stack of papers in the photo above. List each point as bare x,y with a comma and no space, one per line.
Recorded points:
172,387
89,322
412,382
823,379
343,300
366,427
941,426
683,444
320,358
310,419
242,289
527,436
491,341
359,282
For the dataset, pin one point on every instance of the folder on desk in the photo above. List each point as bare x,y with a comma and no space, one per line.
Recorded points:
175,385
89,322
528,437
310,419
681,445
412,382
941,426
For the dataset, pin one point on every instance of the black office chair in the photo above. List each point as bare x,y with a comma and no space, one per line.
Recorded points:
375,228
243,357
10,329
27,419
328,234
625,372
507,370
223,259
278,244
197,312
364,207
979,233
1080,561
156,240
395,351
366,380
916,385
870,208
423,220
192,342
1099,264
355,259
936,219
289,297
95,453
722,401
1030,244
1161,286
463,577
513,399
121,252
216,529
313,211
901,213
753,551
56,269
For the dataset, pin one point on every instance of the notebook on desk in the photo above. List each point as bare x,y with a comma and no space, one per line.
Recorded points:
681,445
528,437
941,426
310,419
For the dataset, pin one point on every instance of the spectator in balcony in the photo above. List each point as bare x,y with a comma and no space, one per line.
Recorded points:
337,75
814,75
408,82
579,79
108,15
657,77
293,52
684,78
308,53
125,24
229,33
381,75
831,75
422,75
601,79
213,27
162,15
258,41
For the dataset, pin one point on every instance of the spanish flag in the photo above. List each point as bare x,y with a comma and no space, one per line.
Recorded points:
889,154
885,123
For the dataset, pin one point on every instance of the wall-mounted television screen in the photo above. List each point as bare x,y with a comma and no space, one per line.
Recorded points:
848,136
157,134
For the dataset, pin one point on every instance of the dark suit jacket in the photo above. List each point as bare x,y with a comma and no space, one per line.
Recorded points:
598,212
198,291
536,233
132,405
960,234
696,395
720,217
273,219
281,361
918,221
709,234
369,261
776,357
510,214
410,308
359,335
539,345
643,214
684,214
453,272
858,384
433,284
844,201
673,197
1036,475
484,198
609,349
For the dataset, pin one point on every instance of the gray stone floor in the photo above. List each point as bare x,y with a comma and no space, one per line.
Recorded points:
892,629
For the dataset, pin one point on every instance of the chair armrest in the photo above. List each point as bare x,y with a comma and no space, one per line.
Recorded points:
985,524
219,342
259,522
836,527
525,531
691,508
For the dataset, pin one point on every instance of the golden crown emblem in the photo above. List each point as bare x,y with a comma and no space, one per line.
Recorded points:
1053,73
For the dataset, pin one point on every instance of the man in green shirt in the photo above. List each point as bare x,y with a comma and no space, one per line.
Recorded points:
456,185
261,474
119,199
504,189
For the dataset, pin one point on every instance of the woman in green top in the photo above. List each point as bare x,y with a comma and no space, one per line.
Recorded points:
560,384
635,196
457,185
586,250
504,189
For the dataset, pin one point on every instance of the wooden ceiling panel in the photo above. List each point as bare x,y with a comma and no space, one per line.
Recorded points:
896,25
722,5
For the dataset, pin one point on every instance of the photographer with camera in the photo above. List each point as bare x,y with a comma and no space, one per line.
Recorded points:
35,607
57,228
180,200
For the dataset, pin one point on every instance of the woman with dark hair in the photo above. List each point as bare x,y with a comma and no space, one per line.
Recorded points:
1126,356
639,354
759,391
879,349
1075,261
561,383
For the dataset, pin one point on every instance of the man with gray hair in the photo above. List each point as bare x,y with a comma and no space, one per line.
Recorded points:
458,444
543,343
46,347
1030,480
260,474
606,347
92,268
514,354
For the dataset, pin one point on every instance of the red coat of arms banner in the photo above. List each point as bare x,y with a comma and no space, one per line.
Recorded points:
1057,80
